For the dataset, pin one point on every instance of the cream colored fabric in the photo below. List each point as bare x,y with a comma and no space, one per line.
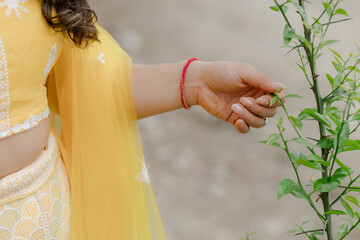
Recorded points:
35,201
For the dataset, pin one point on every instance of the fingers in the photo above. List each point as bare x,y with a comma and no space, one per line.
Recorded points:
265,100
257,79
258,109
240,112
241,126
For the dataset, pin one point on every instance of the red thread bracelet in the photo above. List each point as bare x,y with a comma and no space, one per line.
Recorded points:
182,82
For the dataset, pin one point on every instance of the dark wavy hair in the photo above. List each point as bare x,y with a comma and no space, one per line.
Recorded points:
74,17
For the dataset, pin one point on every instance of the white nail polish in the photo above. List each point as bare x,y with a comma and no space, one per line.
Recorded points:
237,108
279,85
263,101
247,101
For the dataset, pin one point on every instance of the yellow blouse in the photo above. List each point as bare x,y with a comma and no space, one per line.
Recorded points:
91,107
28,51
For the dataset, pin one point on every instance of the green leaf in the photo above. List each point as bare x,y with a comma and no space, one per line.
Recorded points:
336,66
354,190
339,175
330,130
301,11
343,230
288,34
327,8
284,8
299,193
335,212
296,155
314,237
318,159
352,200
327,42
274,8
317,56
272,138
343,132
333,111
350,145
349,210
325,143
280,121
336,53
331,80
273,100
293,96
297,122
303,40
326,184
302,141
336,120
357,115
341,11
353,68
343,166
318,28
309,164
312,112
355,96
286,186
338,80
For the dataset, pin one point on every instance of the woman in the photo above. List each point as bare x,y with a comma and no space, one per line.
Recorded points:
68,111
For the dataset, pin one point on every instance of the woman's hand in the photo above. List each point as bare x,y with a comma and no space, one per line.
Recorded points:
234,92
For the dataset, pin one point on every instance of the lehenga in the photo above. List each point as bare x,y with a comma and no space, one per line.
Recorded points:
88,98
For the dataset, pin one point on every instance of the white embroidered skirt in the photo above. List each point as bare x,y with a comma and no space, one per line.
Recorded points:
35,201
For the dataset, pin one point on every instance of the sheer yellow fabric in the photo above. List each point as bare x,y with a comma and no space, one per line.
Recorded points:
89,92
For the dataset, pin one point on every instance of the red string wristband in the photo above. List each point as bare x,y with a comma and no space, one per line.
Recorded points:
182,82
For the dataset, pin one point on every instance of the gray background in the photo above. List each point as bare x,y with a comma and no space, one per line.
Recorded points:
212,183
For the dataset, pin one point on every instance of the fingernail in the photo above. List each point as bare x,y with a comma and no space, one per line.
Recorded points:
246,101
240,123
237,108
278,85
262,101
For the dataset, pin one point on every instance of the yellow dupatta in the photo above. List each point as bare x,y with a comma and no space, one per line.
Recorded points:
89,90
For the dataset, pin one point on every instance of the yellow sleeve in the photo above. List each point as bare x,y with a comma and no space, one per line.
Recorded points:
89,92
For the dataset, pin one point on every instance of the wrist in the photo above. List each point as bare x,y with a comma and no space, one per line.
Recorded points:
193,82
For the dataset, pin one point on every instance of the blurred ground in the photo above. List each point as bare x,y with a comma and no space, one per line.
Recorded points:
212,183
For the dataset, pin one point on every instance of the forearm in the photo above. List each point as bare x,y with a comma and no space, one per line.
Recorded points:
156,88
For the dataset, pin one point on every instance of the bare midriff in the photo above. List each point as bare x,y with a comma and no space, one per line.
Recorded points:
20,150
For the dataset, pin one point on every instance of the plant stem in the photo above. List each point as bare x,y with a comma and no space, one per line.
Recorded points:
319,104
322,14
345,117
295,128
352,228
283,13
331,16
344,192
310,201
343,80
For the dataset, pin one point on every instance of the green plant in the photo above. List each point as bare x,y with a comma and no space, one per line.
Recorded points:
248,236
335,116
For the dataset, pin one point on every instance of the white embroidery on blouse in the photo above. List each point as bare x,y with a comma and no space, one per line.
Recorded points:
4,93
50,62
101,58
143,176
31,122
14,5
